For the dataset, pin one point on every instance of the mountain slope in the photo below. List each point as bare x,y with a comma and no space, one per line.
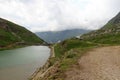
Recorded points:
55,36
11,33
110,33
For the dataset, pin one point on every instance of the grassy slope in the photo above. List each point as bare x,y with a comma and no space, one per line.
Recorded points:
6,38
112,39
16,33
70,44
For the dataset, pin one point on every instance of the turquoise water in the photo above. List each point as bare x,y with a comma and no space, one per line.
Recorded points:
19,64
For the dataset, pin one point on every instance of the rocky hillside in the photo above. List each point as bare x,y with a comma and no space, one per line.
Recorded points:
107,34
11,33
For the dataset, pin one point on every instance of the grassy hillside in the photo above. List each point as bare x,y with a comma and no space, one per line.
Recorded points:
69,44
11,33
109,34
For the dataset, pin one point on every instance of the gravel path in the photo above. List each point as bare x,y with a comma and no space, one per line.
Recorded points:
98,64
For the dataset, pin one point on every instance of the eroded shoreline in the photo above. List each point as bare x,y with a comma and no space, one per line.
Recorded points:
40,72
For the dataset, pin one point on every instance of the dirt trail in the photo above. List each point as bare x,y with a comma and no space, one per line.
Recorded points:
98,64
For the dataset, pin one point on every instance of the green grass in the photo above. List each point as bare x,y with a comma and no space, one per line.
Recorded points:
6,38
69,44
111,39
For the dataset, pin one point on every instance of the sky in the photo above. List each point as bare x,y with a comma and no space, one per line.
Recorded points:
55,15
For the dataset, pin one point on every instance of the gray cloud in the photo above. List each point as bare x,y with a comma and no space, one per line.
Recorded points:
45,15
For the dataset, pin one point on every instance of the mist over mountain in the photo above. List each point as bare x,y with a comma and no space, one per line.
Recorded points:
55,36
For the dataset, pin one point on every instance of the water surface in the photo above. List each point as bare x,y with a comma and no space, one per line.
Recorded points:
20,64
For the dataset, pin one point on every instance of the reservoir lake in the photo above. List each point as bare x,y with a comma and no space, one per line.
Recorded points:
21,63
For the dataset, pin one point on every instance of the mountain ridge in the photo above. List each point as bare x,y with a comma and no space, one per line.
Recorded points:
56,36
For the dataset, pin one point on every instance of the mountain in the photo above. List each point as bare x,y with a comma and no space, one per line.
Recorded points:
55,36
110,33
11,33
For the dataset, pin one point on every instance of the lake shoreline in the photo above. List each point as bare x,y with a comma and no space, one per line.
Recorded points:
19,46
40,72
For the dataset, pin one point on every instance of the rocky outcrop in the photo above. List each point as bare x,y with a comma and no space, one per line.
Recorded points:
45,72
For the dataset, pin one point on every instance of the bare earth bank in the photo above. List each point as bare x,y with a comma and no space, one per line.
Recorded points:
98,64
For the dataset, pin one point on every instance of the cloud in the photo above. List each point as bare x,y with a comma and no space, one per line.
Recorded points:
45,15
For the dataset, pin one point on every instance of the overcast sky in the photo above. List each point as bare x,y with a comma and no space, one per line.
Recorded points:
52,15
